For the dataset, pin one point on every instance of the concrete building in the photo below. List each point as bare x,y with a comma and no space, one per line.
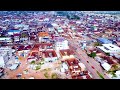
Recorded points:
61,43
12,32
106,66
5,39
43,36
5,55
49,55
104,41
45,46
66,54
109,48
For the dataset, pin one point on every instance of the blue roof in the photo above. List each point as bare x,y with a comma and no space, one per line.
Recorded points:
13,30
49,25
104,40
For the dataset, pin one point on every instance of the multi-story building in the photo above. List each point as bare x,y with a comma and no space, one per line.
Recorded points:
61,43
43,36
5,54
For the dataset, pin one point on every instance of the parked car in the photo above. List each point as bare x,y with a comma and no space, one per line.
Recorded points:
87,61
92,67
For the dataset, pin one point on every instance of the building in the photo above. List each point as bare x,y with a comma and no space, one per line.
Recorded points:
16,37
13,31
6,39
104,41
5,54
109,48
60,30
49,55
74,68
43,37
66,54
45,46
61,43
118,74
21,26
106,66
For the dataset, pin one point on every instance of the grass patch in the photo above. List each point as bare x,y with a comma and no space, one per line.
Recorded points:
37,67
112,73
54,76
100,75
41,63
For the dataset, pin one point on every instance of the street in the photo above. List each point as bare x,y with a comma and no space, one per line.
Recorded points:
84,58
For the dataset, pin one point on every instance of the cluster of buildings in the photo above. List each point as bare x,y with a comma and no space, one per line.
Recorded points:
42,35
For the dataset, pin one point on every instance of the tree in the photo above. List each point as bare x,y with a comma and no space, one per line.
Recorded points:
97,44
46,75
93,54
108,54
37,67
33,62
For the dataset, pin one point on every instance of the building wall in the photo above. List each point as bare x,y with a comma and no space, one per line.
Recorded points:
2,64
61,45
51,59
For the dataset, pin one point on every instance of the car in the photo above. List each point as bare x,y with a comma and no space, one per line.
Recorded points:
92,67
87,61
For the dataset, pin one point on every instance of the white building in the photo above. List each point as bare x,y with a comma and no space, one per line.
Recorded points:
82,66
106,66
109,48
5,39
59,45
2,64
52,59
118,74
3,58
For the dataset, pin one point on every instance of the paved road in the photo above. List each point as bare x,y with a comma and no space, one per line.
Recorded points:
84,58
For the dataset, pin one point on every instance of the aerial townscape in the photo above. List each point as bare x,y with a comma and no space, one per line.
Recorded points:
59,45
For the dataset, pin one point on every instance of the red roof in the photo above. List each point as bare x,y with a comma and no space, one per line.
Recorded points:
52,52
66,51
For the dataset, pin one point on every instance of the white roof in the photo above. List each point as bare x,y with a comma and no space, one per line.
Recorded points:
54,24
5,38
106,66
118,73
111,46
31,78
14,66
65,66
82,66
62,70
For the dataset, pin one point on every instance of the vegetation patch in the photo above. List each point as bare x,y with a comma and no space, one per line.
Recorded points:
100,75
97,44
37,67
93,55
46,74
54,76
32,62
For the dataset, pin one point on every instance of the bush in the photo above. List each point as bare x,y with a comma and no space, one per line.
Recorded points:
97,44
46,75
108,54
93,55
41,63
37,67
54,76
33,62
